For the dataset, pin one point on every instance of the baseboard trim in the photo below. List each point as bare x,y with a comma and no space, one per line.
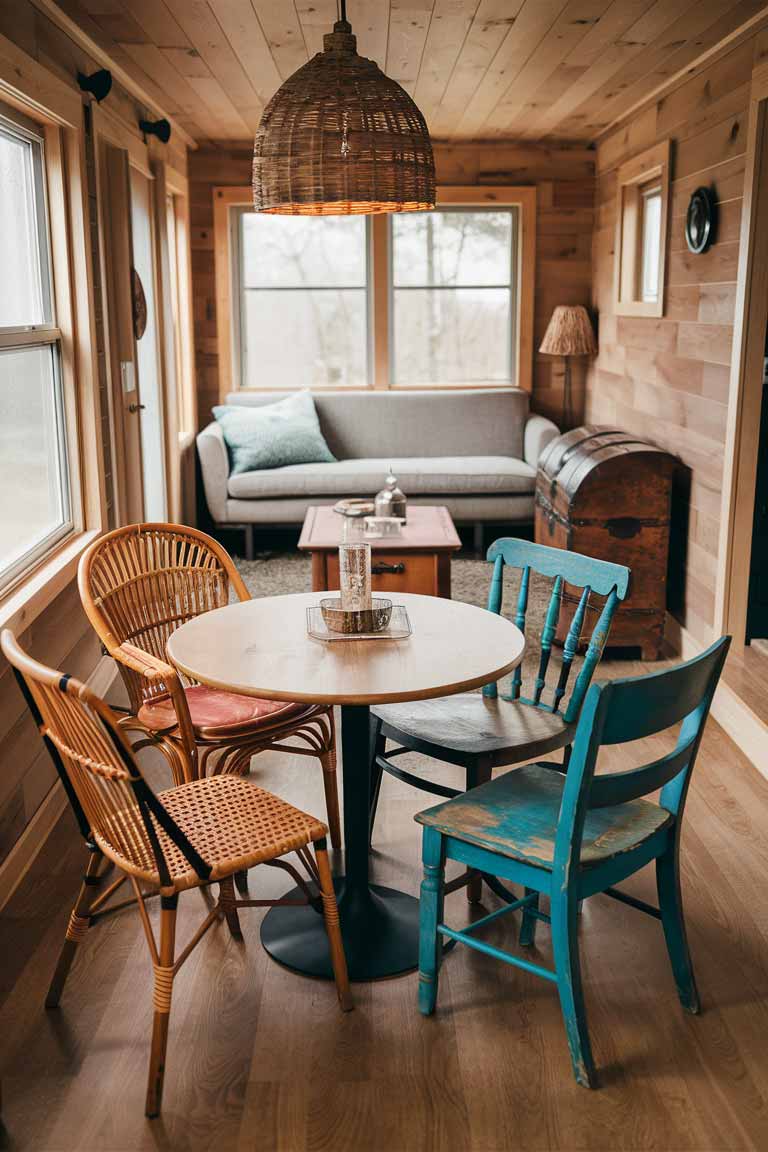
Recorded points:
745,728
24,852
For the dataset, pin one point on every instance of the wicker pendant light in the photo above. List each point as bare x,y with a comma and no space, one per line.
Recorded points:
339,137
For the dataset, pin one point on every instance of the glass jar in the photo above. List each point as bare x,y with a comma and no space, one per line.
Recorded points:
355,576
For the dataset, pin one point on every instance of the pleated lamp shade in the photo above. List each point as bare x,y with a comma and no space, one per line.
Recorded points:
569,333
339,137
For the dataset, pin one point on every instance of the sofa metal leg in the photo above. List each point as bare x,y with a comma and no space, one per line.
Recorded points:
248,541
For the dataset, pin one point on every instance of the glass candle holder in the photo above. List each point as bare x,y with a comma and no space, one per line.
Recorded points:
355,576
352,528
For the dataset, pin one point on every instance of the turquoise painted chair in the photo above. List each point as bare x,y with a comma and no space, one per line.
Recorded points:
499,729
573,835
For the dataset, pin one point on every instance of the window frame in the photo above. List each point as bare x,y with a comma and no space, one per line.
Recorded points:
31,93
648,170
44,335
227,198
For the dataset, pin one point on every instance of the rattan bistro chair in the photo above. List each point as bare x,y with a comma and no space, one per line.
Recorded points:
138,584
197,833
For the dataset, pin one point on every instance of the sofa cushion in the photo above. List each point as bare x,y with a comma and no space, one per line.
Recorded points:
286,432
415,423
434,476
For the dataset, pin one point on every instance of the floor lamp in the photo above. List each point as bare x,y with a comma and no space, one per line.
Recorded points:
569,333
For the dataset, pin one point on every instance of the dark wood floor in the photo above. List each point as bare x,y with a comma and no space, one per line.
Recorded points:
262,1059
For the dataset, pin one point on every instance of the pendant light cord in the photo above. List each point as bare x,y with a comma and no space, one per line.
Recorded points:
343,10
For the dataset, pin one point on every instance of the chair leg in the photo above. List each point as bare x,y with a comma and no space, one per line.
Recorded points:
330,784
79,922
565,946
241,882
430,915
477,773
378,747
332,926
528,922
671,906
163,972
229,907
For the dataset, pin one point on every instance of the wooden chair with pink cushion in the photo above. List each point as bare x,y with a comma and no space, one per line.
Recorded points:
138,584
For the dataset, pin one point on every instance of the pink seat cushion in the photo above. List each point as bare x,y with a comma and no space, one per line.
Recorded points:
212,709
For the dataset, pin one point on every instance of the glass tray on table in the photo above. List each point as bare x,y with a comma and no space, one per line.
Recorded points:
399,627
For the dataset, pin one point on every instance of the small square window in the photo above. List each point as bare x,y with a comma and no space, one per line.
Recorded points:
641,210
650,243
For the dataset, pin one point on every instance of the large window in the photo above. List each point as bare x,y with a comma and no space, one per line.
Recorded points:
36,508
420,299
302,320
454,287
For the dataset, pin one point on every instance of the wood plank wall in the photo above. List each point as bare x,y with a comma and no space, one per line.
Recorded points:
61,635
668,378
564,178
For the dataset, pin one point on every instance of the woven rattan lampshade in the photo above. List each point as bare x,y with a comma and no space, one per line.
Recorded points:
339,137
569,333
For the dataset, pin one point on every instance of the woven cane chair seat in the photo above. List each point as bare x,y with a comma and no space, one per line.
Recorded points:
231,822
215,713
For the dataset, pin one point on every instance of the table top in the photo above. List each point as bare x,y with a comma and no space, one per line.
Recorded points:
427,528
261,648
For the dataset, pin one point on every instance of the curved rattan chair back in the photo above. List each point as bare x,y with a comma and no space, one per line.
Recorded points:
113,804
139,583
591,577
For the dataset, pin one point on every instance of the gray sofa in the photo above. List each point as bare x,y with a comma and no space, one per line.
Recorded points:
473,450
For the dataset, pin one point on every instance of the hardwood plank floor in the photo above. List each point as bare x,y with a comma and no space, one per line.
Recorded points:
261,1059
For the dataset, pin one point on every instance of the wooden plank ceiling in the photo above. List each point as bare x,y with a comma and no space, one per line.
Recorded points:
479,69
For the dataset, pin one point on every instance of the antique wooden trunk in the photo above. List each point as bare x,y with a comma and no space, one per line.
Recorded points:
607,494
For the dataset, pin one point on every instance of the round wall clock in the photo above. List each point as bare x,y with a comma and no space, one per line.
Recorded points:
701,220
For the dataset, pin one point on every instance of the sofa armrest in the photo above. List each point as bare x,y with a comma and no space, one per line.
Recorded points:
538,433
214,464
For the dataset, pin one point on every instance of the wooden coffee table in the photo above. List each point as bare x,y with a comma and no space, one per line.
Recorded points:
417,561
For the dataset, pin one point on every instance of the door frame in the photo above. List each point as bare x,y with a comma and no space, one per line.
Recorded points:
110,131
746,379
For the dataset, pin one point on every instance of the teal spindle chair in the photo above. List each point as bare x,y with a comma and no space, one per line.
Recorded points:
575,835
480,733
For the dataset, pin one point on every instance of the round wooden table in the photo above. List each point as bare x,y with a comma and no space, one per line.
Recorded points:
261,648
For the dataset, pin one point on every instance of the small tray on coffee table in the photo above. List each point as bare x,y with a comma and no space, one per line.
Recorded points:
399,627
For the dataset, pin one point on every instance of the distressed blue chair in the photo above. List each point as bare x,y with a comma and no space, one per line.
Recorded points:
573,835
480,733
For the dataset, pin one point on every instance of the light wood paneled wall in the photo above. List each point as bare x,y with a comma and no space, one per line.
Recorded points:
563,177
668,378
60,635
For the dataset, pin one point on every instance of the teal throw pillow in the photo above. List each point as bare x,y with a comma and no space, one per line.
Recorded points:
271,436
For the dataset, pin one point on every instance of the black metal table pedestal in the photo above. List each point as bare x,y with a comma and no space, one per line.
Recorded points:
380,926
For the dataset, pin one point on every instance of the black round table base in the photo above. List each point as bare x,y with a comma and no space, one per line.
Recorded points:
380,927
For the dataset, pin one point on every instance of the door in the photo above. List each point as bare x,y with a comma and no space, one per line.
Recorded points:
757,604
134,343
148,350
